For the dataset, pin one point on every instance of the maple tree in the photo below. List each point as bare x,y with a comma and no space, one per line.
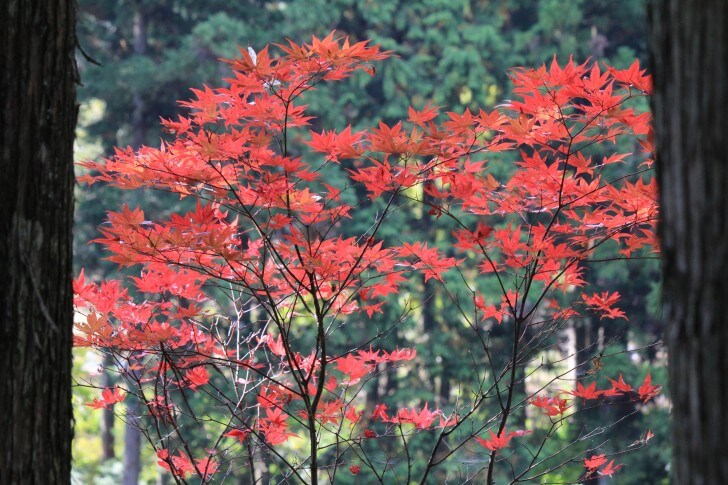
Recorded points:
238,299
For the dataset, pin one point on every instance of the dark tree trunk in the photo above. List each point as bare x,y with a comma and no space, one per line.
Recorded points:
36,212
689,54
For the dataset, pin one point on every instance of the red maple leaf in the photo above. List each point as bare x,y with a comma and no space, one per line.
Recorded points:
370,355
206,467
552,406
275,427
633,76
647,391
421,419
401,354
603,303
329,412
609,470
380,412
589,392
276,346
108,398
354,367
495,442
178,465
197,377
352,414
595,462
619,385
428,113
238,434
489,311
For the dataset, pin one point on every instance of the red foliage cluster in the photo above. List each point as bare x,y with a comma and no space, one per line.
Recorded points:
267,230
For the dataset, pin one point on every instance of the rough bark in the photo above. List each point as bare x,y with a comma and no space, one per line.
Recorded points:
689,57
37,83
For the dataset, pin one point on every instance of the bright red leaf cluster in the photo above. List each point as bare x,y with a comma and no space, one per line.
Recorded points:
267,230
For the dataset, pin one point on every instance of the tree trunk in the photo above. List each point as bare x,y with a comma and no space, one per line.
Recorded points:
138,122
132,432
106,423
689,54
38,89
132,444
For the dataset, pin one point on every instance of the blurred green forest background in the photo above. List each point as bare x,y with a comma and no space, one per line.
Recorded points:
453,53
